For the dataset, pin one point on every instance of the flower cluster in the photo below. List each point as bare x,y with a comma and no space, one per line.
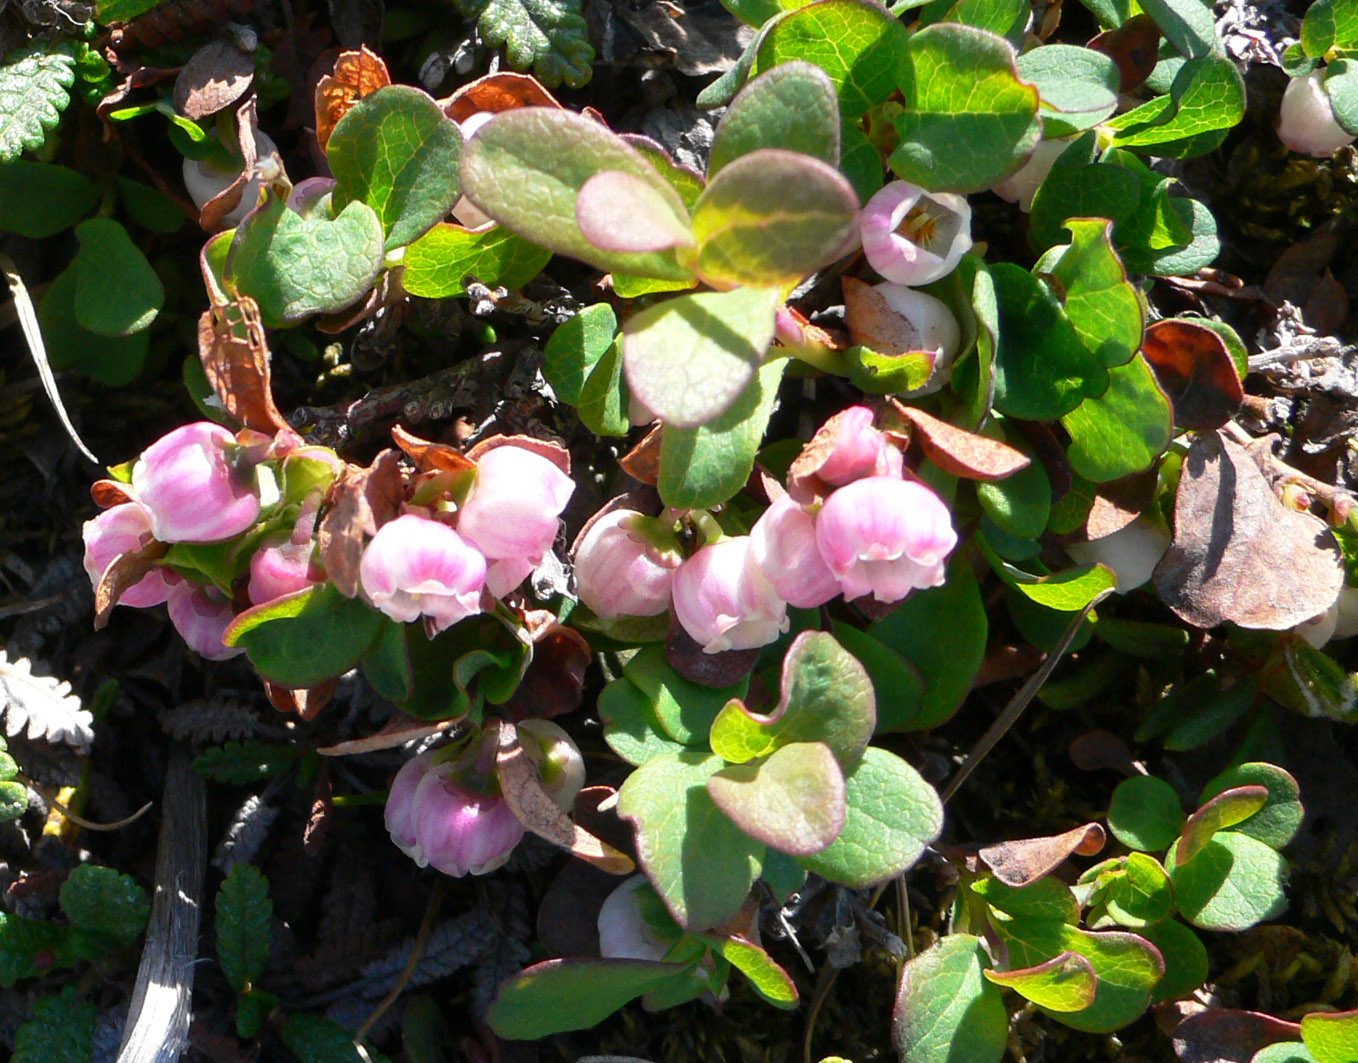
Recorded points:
451,537
852,524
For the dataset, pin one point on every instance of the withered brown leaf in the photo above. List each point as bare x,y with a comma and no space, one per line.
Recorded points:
357,74
1022,862
215,77
1194,367
235,357
959,452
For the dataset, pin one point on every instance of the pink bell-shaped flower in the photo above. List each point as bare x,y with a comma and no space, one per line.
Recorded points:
724,602
400,810
885,536
280,567
193,490
1306,121
619,571
462,825
915,237
116,531
201,616
858,449
417,567
513,507
783,545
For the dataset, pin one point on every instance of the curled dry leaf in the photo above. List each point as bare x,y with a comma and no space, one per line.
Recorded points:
1194,367
216,76
366,499
959,452
803,475
429,456
873,323
124,571
642,462
1022,862
1238,553
109,493
228,199
1221,1035
495,93
357,74
235,357
397,731
306,703
1134,47
543,448
533,806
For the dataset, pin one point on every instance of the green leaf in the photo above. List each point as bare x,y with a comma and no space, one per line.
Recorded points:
942,632
1186,24
946,1011
35,83
572,994
108,11
968,121
1042,370
575,348
480,659
243,763
857,43
13,800
973,379
1006,18
793,801
688,359
1206,100
1201,248
29,947
1064,983
551,36
826,697
769,980
1020,505
604,400
113,309
1078,86
60,1031
1096,189
772,217
699,862
1329,24
396,151
892,814
1185,958
1100,301
1122,431
702,467
252,1012
316,1039
1214,815
38,199
437,263
149,207
1332,1037
1277,822
105,901
684,709
792,107
244,926
861,163
112,360
1233,883
1134,889
1341,87
631,727
897,686
1068,592
1046,900
294,267
1145,813
525,168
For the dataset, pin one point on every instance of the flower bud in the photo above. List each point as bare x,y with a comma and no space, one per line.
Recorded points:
1022,186
1132,553
1346,623
280,566
192,489
1320,629
885,537
619,571
857,449
1306,122
462,825
116,531
914,237
623,933
201,616
559,761
724,602
513,506
930,319
418,567
783,545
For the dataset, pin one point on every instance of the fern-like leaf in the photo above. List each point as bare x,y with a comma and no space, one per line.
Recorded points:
42,703
35,84
244,916
61,1031
105,901
243,763
551,36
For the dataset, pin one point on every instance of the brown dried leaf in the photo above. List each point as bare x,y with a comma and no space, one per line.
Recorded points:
124,571
1293,276
495,93
555,681
1195,370
366,499
874,324
642,462
1238,553
1220,1035
109,493
1119,503
534,808
396,732
235,356
357,74
429,456
215,77
553,452
1134,47
228,199
959,452
1022,862
304,702
803,475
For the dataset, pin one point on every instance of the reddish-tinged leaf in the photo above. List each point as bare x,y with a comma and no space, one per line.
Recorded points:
1225,809
619,212
1022,862
534,808
1238,553
1194,368
1134,47
109,493
235,357
357,74
123,572
214,78
555,681
1220,1035
495,93
1066,982
642,462
366,499
306,703
687,658
428,456
959,452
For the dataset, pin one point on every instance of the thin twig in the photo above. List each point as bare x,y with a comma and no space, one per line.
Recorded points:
416,952
50,797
